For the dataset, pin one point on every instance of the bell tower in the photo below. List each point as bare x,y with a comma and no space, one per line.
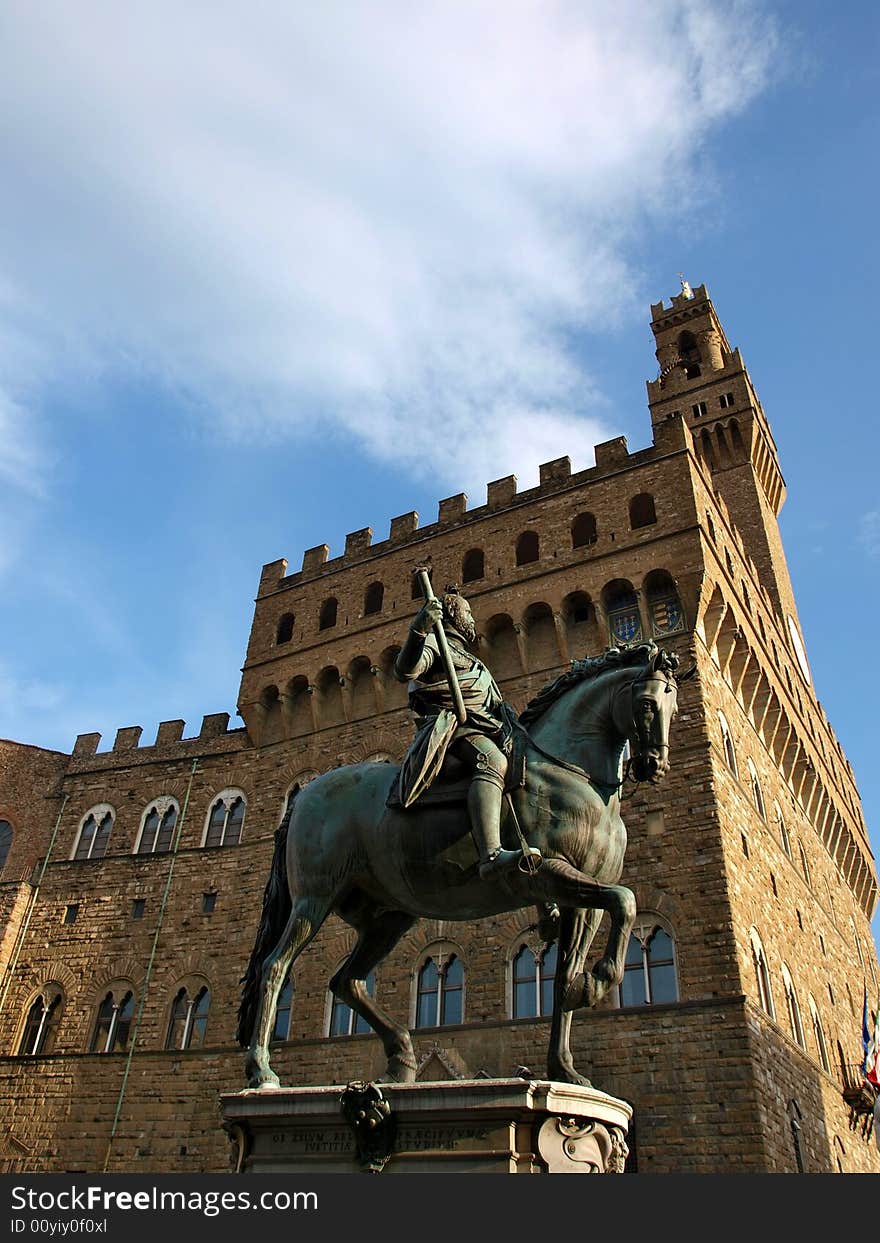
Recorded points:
706,382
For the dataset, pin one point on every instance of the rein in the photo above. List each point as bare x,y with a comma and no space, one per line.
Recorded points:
573,768
580,772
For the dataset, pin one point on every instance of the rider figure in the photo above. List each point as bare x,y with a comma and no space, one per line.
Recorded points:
482,743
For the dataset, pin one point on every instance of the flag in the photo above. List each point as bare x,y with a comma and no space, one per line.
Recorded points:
872,1053
866,1033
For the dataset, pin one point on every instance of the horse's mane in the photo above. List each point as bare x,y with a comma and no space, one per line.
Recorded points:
620,657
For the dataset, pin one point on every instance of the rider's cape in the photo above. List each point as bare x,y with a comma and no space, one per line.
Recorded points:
436,722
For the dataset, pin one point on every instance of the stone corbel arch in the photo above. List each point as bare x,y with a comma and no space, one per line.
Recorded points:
661,902
120,969
382,742
190,964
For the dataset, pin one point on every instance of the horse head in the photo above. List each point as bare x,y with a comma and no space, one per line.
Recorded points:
643,708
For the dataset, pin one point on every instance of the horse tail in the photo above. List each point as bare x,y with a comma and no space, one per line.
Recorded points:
277,905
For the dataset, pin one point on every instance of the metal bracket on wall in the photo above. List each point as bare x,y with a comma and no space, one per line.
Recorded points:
369,1115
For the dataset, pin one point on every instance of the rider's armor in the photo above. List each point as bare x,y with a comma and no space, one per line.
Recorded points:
483,743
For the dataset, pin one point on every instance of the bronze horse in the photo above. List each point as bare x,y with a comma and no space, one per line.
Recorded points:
343,849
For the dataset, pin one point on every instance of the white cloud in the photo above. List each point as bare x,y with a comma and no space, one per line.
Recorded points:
383,217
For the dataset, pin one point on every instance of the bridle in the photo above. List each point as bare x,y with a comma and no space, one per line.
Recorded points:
647,676
641,734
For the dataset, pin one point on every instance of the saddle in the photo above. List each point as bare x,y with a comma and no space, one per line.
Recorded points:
450,788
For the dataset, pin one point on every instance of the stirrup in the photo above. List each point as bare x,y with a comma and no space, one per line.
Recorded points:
501,861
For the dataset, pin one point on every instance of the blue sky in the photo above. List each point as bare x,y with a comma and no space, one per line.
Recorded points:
250,259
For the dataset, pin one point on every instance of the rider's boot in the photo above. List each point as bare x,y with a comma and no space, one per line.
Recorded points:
484,806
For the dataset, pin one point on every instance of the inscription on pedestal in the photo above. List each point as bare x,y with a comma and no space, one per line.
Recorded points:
419,1139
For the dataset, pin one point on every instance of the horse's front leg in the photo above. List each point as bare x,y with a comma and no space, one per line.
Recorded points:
576,931
558,881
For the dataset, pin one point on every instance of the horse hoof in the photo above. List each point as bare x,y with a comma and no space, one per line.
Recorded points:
265,1080
605,971
568,1075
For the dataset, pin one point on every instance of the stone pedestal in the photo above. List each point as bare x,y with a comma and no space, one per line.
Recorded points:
464,1126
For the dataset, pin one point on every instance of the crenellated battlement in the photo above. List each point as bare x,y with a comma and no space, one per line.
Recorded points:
681,302
169,736
612,457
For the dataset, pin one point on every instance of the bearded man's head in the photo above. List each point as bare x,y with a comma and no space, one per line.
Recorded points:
458,613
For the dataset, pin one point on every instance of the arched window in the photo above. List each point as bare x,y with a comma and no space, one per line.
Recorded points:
527,548
689,355
113,1022
642,511
285,628
533,977
225,819
157,827
710,527
539,631
373,599
795,1118
42,1022
440,993
805,867
664,606
583,531
290,797
819,1034
189,1019
577,609
757,795
346,1022
5,842
284,1010
727,744
762,975
791,1005
327,615
473,565
649,976
622,606
94,833
784,839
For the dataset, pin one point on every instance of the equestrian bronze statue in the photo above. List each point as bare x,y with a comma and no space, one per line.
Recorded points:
382,846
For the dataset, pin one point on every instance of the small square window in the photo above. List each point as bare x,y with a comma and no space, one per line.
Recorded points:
137,908
209,901
70,913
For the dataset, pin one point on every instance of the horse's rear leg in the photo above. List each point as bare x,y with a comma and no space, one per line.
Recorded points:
306,918
558,881
377,936
576,931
